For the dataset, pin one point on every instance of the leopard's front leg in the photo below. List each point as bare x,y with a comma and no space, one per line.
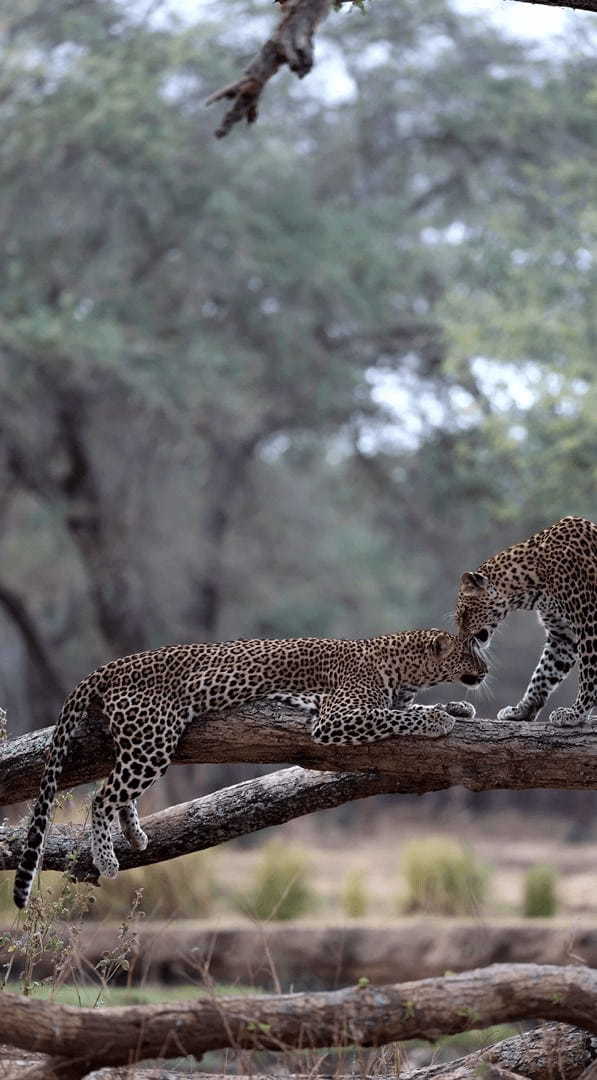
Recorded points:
586,700
405,694
464,710
359,714
556,660
308,703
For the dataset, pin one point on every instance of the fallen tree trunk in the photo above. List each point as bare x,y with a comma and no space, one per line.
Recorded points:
478,754
363,1016
551,1050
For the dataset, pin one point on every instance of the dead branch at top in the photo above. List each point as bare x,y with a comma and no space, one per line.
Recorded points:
291,43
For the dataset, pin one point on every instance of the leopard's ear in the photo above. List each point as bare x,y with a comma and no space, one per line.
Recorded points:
472,583
442,644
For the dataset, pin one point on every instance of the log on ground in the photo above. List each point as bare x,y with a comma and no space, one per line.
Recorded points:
363,1016
550,1050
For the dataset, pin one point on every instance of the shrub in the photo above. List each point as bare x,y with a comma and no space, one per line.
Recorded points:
355,900
540,892
442,877
280,887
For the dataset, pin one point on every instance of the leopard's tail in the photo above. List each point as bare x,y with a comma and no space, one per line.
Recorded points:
73,711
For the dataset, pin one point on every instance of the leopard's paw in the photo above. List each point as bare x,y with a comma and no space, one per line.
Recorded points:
109,867
462,709
517,712
569,717
139,841
104,860
437,723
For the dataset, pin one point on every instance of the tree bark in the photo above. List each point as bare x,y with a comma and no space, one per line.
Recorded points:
479,755
202,823
363,1016
552,1050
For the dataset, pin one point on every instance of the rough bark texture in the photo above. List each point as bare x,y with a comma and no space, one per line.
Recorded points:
22,1065
363,1016
552,1050
202,823
478,754
577,5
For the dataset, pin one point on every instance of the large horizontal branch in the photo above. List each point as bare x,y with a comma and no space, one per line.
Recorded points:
479,754
291,43
205,822
362,1016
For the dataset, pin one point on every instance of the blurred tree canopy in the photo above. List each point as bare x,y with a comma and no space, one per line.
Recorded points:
293,383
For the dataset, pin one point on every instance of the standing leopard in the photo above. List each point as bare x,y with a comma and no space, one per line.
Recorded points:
554,571
354,691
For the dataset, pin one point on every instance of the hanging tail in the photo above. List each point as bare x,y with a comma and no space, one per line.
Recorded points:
40,817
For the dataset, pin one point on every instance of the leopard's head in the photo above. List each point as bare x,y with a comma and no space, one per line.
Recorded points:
456,659
480,607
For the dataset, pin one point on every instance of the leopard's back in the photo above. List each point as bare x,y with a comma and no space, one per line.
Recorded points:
148,698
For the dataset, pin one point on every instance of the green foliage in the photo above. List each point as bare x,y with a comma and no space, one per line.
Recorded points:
355,898
442,878
540,892
281,888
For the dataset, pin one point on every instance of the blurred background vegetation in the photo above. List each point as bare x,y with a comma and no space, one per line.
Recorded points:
296,381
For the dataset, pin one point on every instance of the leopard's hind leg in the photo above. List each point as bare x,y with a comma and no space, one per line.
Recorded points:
131,829
145,745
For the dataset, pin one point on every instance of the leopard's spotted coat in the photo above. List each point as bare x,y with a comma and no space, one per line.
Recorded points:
554,571
354,691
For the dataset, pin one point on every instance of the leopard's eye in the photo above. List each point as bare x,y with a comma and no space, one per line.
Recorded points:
482,636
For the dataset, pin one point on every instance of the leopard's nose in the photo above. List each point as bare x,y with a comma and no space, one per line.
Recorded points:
470,679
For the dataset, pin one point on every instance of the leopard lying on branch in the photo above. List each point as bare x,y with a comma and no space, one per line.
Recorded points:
354,691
